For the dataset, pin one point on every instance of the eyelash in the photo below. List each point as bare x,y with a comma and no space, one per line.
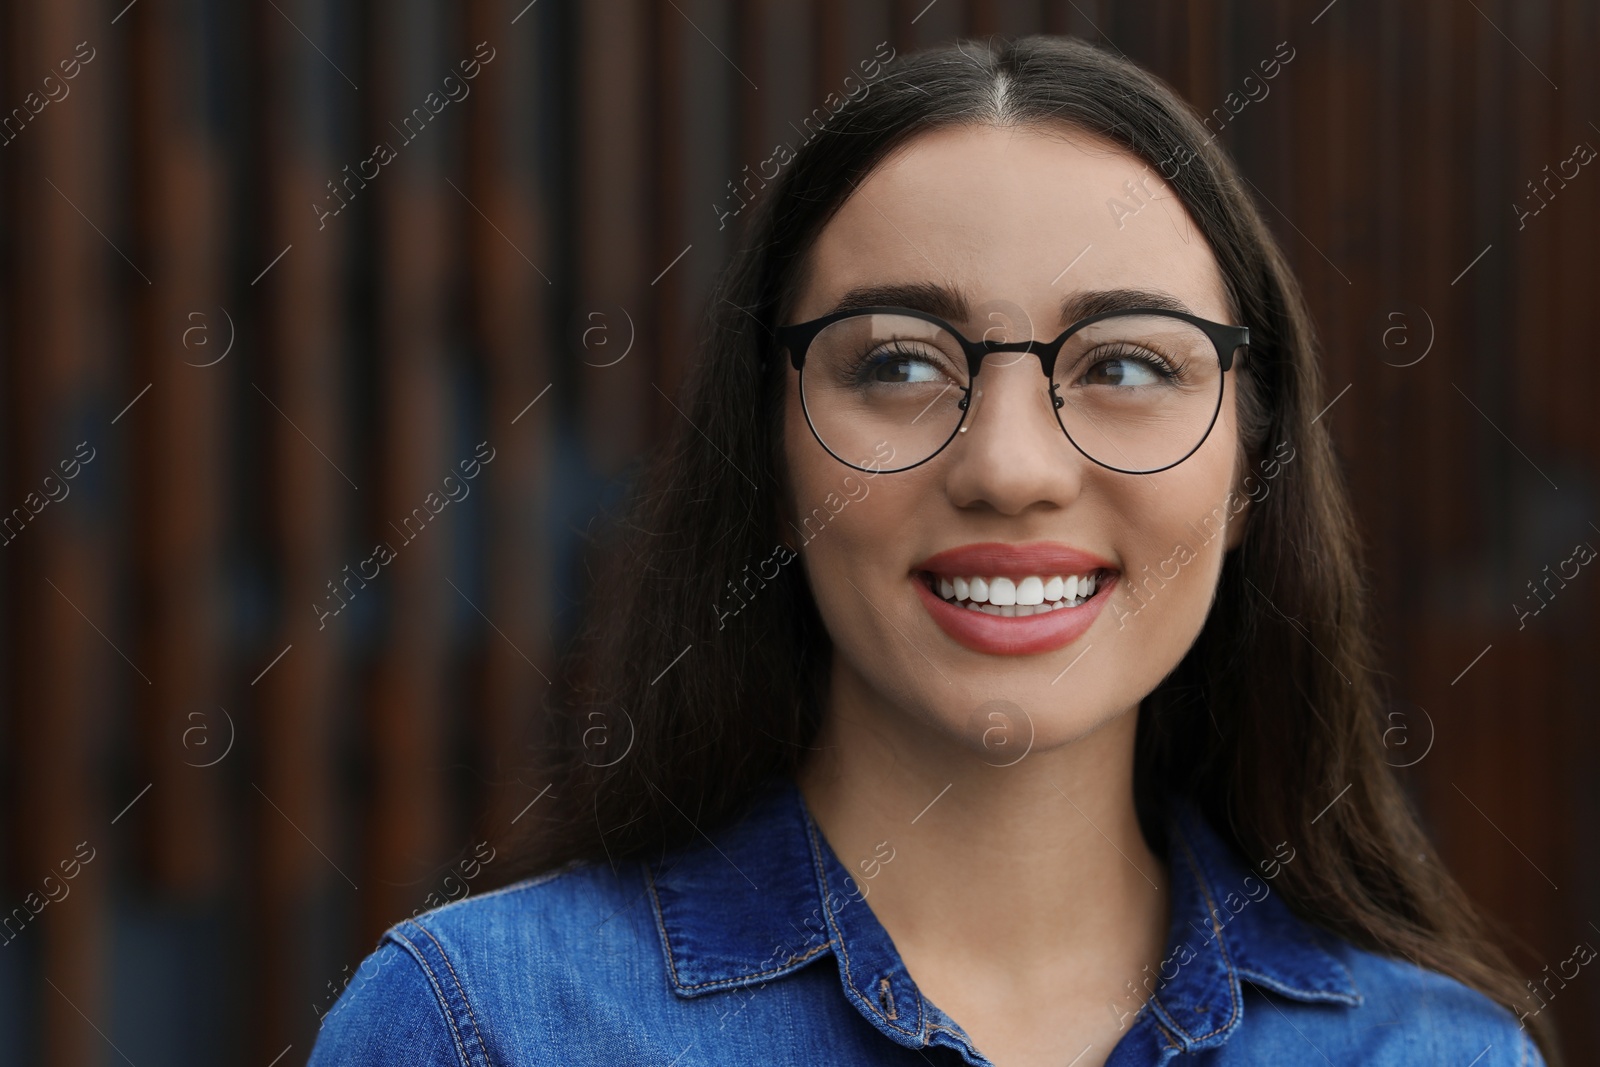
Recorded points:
856,374
1122,350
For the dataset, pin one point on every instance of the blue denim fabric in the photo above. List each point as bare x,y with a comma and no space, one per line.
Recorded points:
759,949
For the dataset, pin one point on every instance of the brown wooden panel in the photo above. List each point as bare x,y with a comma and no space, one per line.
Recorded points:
830,64
1207,47
177,476
613,193
786,80
752,29
405,704
310,480
508,306
59,565
672,40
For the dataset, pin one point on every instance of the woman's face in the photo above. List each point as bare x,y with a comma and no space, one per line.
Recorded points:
1014,222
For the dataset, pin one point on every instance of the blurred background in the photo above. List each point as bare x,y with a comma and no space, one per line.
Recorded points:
243,346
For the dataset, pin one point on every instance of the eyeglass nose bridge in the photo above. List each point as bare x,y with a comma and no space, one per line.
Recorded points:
978,351
1047,351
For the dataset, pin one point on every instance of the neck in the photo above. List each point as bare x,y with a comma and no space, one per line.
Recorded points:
1034,868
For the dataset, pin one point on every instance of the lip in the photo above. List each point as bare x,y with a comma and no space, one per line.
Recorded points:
997,635
993,557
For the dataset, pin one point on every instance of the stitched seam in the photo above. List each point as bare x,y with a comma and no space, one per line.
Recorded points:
515,887
1195,862
666,945
1211,910
1316,936
1324,996
1159,1010
1202,877
471,1015
438,993
1348,976
827,904
661,924
790,962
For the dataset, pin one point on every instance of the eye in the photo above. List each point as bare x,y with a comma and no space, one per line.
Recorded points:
1127,369
898,365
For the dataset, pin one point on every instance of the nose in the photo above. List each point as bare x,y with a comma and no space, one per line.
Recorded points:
1011,454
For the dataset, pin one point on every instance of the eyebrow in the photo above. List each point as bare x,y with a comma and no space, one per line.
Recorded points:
953,306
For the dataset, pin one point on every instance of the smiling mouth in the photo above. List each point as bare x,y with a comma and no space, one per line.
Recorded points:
1016,596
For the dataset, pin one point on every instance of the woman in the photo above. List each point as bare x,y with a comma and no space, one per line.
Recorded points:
986,679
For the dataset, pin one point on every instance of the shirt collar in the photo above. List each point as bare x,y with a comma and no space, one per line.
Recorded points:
767,896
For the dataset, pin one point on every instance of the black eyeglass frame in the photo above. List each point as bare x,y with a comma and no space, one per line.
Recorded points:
797,338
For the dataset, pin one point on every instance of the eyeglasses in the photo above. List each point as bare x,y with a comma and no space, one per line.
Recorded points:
1135,390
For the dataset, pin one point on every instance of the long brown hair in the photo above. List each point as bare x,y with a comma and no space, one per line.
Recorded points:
698,674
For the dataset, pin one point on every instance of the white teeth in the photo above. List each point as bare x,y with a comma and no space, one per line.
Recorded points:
1031,594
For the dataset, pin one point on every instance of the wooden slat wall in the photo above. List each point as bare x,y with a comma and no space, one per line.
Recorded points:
507,305
64,682
405,705
295,679
447,304
670,142
615,257
177,459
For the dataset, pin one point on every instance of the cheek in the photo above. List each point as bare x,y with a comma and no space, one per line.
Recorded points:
836,513
1175,537
1172,553
850,530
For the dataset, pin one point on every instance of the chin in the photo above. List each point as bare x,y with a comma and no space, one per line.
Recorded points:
1012,720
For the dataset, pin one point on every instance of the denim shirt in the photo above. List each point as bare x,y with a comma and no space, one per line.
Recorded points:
755,946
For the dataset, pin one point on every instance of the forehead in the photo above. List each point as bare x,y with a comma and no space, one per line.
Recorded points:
1022,215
